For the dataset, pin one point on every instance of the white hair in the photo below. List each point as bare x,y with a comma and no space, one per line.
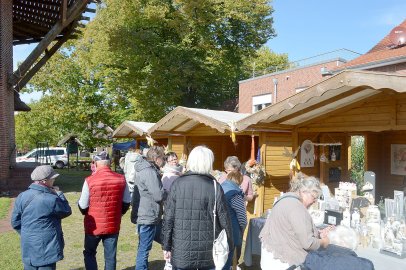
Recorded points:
304,183
200,160
103,162
344,237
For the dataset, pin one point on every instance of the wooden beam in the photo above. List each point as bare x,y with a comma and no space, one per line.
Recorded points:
73,13
371,128
180,124
64,9
48,53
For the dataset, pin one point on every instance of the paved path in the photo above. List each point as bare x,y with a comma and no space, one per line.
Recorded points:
5,222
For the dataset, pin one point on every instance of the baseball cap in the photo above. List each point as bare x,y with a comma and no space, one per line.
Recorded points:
103,155
43,172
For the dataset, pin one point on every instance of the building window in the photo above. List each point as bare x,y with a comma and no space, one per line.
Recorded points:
260,102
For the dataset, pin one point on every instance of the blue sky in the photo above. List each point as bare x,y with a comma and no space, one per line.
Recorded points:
308,28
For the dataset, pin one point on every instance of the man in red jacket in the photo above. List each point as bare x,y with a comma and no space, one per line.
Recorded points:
105,198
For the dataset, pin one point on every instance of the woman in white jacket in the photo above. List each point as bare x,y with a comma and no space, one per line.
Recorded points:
129,170
171,171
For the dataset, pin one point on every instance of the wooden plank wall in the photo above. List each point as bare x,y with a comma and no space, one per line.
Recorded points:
222,147
178,145
387,182
371,114
276,165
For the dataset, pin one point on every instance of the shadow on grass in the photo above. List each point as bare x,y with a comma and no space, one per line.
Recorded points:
159,264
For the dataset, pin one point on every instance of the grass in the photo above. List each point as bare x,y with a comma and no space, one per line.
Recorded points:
71,183
4,206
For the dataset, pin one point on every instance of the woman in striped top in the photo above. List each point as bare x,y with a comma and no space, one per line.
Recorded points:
237,211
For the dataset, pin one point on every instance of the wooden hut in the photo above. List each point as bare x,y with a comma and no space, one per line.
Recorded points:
186,128
368,104
138,131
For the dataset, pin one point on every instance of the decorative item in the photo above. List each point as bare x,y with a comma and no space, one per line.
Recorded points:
398,198
334,174
335,152
294,165
398,159
323,157
256,172
307,154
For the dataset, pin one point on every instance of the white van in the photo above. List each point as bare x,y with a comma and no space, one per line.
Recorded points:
54,156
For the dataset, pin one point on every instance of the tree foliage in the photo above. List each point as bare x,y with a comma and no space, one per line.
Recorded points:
357,160
138,59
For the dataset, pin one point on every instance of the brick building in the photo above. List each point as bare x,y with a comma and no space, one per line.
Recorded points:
259,92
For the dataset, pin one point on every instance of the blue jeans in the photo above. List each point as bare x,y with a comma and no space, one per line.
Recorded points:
174,268
51,266
146,235
110,250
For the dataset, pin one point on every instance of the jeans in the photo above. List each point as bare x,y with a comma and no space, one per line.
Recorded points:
146,235
51,266
110,251
174,268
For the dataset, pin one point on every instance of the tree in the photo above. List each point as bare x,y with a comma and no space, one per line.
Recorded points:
139,59
265,61
189,52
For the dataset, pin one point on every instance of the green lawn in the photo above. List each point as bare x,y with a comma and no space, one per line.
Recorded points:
4,206
71,183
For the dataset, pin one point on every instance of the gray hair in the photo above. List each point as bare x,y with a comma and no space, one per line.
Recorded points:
200,160
103,162
232,162
344,237
155,152
304,183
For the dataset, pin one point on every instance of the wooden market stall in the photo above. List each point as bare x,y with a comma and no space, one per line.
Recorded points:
138,131
327,114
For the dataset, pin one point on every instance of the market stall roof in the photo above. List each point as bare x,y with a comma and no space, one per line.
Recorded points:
67,137
331,94
132,129
183,119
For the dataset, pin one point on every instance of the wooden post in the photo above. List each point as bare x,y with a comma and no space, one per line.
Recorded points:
7,140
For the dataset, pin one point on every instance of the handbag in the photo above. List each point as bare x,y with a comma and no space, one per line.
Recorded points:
220,245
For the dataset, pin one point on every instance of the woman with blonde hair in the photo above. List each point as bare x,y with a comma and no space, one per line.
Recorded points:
289,232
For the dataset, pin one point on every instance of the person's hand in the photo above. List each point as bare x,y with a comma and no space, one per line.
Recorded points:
324,242
167,255
324,233
56,188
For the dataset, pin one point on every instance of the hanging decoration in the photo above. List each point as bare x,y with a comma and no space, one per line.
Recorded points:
307,154
294,165
233,128
150,140
255,169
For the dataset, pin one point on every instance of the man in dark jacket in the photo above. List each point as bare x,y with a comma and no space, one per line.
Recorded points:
188,219
339,255
147,198
105,198
37,218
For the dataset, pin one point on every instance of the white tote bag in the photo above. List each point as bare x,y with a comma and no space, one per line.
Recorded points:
220,245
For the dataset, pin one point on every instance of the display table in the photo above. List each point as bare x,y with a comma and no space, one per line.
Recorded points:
380,261
252,242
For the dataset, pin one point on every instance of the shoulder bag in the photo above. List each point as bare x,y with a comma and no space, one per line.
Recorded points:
220,245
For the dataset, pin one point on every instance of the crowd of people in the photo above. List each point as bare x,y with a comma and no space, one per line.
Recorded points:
174,206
